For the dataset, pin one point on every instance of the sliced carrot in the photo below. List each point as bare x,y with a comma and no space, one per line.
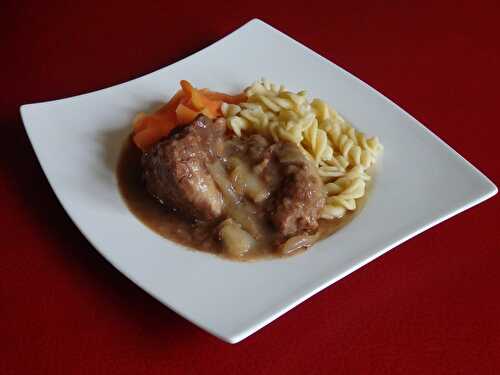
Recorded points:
181,109
150,128
172,104
213,109
230,99
155,128
144,121
185,115
198,100
207,112
187,87
140,122
188,90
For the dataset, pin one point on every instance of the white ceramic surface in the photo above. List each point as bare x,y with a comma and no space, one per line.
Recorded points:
420,181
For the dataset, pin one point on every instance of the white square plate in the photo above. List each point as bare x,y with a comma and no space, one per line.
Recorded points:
420,182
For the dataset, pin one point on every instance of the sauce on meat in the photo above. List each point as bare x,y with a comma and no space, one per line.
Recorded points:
197,235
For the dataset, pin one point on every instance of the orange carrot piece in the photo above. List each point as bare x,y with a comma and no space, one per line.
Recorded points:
181,109
172,104
140,122
144,121
198,100
149,129
213,109
153,128
230,99
185,115
209,113
187,87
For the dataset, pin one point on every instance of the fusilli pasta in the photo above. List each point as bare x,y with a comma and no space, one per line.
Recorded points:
341,153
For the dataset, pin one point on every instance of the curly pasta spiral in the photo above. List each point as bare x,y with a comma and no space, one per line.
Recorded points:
350,143
264,86
343,192
341,153
316,140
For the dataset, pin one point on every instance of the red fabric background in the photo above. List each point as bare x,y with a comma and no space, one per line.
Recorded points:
430,306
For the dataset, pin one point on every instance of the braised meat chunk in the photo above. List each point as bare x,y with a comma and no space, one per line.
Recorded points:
296,190
267,192
175,171
300,197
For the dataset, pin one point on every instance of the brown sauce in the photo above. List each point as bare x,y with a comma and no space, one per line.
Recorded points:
169,224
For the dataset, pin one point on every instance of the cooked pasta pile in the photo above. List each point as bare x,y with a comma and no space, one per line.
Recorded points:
341,153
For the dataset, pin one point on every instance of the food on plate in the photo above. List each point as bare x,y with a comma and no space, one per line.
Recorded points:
182,109
341,153
259,174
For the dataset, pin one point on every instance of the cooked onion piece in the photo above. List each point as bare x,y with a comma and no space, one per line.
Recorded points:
247,183
296,243
236,241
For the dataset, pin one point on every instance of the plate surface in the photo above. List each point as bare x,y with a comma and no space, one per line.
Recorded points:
419,182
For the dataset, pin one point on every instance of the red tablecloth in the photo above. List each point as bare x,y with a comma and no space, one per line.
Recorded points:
429,306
